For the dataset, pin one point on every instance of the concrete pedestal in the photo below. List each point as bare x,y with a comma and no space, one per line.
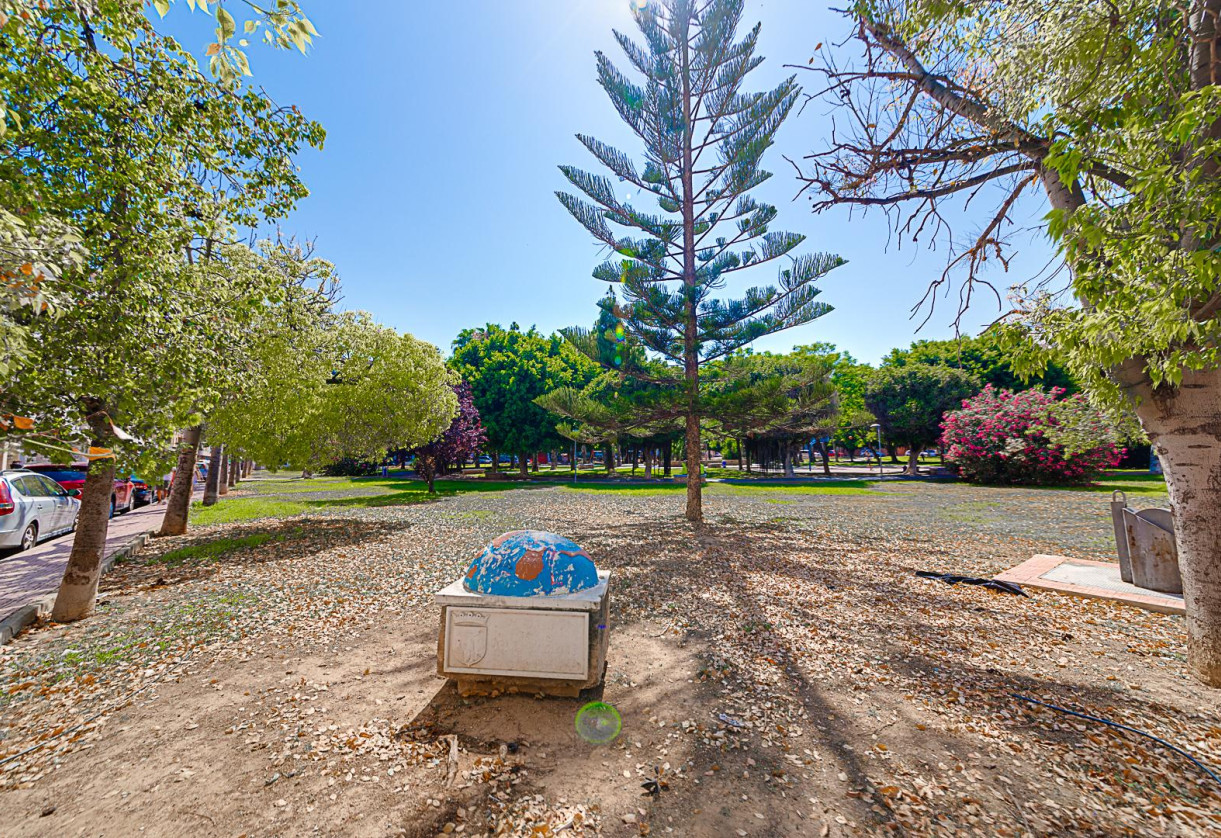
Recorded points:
554,645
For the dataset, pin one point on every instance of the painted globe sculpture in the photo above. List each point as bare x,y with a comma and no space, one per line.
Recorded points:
531,563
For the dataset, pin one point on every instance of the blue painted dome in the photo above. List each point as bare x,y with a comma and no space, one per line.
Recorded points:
531,563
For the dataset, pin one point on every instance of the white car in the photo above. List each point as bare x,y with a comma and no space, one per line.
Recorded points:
33,507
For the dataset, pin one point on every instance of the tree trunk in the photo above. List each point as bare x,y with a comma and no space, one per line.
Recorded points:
913,461
79,586
495,462
212,482
821,448
667,457
232,473
426,467
1184,426
610,459
523,465
788,461
691,358
178,506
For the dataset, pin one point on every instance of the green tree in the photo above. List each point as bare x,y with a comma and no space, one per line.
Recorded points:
1110,116
985,358
112,132
774,403
704,139
909,402
507,370
848,377
341,387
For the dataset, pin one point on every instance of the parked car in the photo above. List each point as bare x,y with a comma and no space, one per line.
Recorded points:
73,477
141,494
33,507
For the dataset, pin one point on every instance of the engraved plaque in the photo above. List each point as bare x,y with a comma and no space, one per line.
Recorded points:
517,642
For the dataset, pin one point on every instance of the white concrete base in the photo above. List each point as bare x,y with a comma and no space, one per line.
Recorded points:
554,644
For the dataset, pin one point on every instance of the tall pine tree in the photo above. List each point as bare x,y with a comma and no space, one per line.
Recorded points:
703,142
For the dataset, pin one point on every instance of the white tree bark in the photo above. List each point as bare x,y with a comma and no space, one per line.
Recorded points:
1184,425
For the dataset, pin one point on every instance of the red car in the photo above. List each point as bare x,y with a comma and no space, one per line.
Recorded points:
122,497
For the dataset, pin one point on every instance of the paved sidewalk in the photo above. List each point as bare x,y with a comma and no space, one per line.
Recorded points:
1092,580
28,576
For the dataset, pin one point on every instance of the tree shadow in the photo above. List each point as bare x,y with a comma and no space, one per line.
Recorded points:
173,561
918,655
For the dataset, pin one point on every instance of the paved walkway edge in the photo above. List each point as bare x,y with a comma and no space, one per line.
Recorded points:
26,615
1030,573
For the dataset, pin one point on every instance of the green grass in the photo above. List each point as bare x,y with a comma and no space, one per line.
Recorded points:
1129,482
837,487
613,487
213,550
234,510
275,498
291,486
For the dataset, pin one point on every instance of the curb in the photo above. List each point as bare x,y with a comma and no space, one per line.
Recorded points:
32,611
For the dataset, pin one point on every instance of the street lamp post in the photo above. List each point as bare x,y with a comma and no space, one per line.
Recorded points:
877,427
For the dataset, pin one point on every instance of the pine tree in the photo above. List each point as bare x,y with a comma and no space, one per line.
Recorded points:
703,140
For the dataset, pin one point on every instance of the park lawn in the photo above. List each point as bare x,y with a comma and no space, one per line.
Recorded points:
1128,482
830,487
281,661
261,498
233,510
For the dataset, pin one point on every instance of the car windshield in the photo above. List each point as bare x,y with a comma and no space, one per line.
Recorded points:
60,475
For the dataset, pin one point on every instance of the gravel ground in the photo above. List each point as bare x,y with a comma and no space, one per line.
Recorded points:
781,671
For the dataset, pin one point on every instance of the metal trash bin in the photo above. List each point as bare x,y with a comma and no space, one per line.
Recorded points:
1148,553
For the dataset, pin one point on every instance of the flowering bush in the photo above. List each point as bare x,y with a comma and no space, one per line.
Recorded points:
1029,438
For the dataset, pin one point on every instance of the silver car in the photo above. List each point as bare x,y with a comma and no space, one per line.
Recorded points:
33,507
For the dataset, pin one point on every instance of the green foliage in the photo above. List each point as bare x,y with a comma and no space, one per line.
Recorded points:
683,223
983,357
507,370
910,400
340,386
848,377
1112,110
789,398
631,398
129,170
690,111
283,26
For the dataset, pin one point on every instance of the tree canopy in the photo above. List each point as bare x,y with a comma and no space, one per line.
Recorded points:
985,358
343,386
507,369
909,402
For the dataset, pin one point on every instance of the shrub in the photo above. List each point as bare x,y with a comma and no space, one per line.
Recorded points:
1030,438
350,467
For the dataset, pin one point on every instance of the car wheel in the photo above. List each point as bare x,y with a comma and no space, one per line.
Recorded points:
30,537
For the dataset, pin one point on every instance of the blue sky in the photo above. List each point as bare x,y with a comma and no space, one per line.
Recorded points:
446,121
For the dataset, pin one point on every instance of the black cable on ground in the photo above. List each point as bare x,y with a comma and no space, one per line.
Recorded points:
1119,726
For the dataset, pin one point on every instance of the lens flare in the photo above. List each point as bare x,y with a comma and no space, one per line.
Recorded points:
598,723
